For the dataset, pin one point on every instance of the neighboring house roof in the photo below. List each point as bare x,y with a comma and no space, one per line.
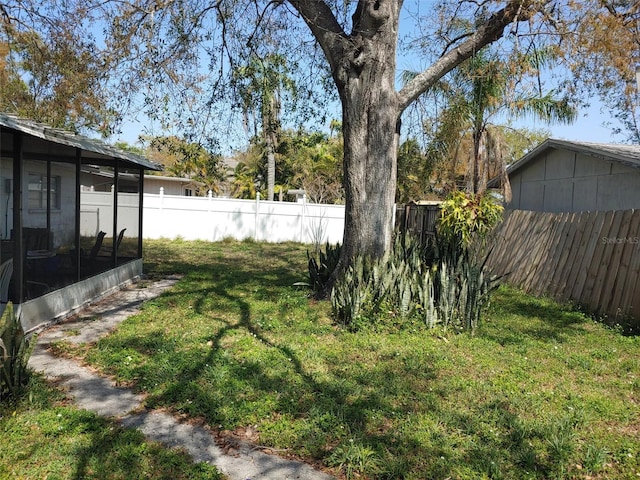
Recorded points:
95,148
173,179
628,155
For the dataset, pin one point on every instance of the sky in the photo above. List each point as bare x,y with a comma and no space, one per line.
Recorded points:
590,125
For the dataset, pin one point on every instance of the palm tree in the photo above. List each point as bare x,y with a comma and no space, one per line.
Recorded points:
261,84
480,90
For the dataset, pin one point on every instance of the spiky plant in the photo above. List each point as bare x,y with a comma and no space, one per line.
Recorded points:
15,350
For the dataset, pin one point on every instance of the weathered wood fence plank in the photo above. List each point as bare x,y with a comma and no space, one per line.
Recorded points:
621,284
592,258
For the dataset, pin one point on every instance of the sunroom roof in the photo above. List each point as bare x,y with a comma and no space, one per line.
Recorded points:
91,148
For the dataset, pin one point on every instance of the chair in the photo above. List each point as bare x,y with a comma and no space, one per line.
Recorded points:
6,272
118,242
89,263
36,238
93,253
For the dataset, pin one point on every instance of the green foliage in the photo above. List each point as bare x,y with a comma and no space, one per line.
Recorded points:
52,439
51,74
183,158
311,161
466,215
15,349
464,140
354,459
414,172
321,269
441,284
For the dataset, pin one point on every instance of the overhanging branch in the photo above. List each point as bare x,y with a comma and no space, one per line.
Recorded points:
324,27
486,33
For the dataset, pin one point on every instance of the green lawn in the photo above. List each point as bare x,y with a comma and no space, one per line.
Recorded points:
538,392
43,437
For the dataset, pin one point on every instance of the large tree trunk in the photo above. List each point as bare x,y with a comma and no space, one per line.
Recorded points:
370,126
363,68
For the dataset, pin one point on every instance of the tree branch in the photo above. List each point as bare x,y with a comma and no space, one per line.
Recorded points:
491,30
324,27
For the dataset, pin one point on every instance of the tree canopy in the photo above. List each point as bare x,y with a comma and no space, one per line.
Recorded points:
176,59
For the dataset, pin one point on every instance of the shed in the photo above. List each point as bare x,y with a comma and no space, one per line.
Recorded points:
61,248
568,176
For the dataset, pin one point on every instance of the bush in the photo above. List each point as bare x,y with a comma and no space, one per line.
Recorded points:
442,283
321,269
15,350
465,216
431,284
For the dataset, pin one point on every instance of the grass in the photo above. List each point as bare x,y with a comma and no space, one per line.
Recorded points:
45,438
539,391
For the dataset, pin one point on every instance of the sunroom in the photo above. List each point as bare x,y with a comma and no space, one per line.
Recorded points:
65,243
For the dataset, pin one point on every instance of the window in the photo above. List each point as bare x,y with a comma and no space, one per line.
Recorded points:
188,192
38,191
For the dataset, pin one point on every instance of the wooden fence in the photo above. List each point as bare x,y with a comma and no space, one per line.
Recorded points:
419,219
591,258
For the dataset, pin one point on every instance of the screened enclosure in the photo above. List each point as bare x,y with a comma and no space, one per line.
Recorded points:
71,209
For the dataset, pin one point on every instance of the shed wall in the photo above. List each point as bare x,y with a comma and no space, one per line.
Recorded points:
564,181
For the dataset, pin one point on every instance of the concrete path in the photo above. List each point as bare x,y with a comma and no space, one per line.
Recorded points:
98,394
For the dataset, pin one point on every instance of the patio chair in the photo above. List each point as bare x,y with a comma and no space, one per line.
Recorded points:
89,262
6,272
118,242
93,253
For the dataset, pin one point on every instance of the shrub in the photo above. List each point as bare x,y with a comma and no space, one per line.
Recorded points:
321,269
442,283
464,216
15,349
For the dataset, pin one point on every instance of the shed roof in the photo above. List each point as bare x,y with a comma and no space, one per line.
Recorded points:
628,155
94,148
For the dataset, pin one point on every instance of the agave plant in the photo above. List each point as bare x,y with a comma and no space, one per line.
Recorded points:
320,269
15,349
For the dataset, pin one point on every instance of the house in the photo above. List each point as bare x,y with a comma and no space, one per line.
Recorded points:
171,185
95,180
566,176
61,247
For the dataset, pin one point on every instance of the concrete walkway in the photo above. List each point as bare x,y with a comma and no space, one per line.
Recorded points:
98,394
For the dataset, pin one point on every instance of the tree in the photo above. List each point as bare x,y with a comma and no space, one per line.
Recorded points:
260,85
486,88
363,67
358,42
361,55
414,172
185,159
316,161
14,93
605,51
305,160
53,74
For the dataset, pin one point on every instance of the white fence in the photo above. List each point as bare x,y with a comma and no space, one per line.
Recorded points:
213,219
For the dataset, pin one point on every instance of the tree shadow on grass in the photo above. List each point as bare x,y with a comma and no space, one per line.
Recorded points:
533,319
323,411
116,452
326,408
